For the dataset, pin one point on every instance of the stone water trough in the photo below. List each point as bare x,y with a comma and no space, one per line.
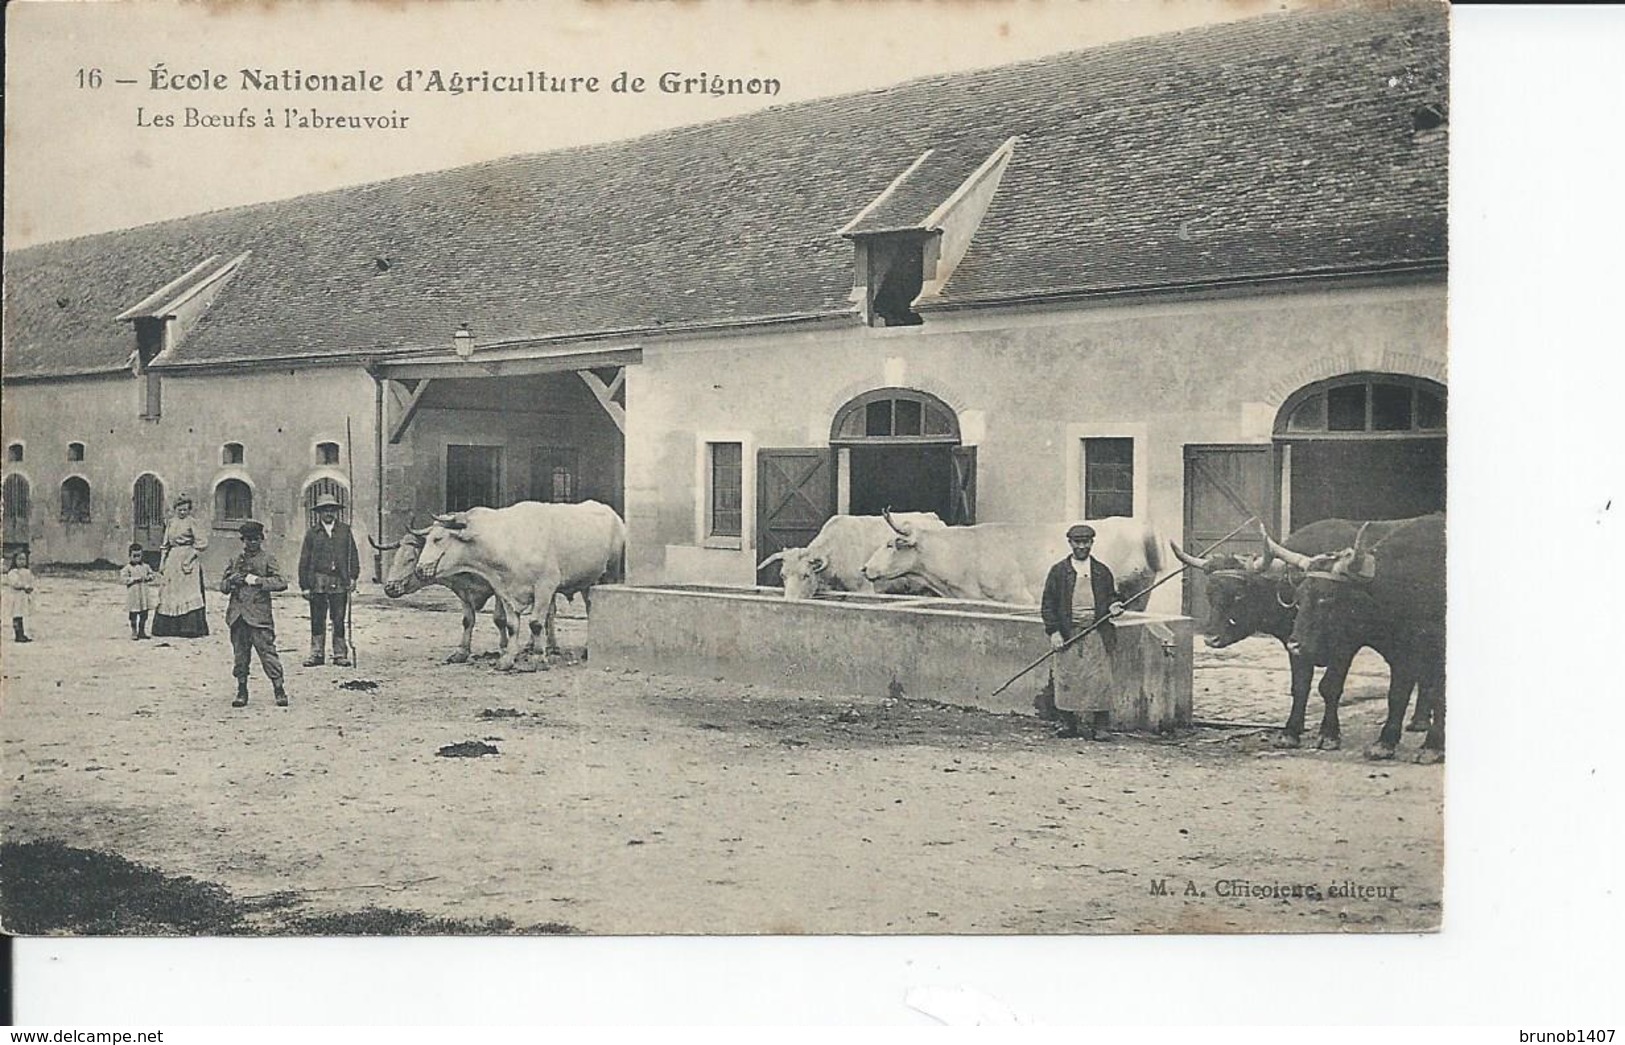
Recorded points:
843,643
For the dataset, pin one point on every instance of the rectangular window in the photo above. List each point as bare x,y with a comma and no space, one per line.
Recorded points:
1390,408
1108,477
726,515
149,341
473,477
1345,409
554,474
152,395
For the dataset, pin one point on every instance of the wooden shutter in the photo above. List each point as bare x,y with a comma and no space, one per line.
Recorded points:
1223,486
795,496
962,494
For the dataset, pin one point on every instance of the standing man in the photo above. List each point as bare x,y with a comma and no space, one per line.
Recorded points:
250,580
1078,590
328,567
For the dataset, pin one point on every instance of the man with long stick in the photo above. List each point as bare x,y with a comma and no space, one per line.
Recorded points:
1059,642
1079,591
328,567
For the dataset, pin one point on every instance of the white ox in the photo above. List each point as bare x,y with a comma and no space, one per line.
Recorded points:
1007,562
527,553
834,559
402,578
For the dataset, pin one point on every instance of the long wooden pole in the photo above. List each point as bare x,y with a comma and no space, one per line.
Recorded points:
349,599
1102,620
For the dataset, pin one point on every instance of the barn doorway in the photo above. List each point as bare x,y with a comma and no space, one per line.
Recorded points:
894,448
1362,446
899,448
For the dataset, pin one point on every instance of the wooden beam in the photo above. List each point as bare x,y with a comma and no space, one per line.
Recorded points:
408,412
508,366
604,394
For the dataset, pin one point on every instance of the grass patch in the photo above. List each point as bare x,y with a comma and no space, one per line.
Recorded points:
51,889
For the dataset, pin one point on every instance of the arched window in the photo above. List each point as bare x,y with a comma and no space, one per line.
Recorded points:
14,453
76,451
231,453
147,510
1365,405
895,415
327,453
233,501
75,500
15,508
314,492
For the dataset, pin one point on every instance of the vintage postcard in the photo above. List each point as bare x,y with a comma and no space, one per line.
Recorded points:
665,469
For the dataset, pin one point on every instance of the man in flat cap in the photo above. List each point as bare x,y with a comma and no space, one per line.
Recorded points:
250,580
329,564
1078,591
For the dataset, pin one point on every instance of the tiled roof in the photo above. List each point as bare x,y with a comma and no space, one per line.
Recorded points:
922,188
1276,146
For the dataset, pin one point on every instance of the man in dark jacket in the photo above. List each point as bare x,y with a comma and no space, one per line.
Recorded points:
250,580
1081,674
328,567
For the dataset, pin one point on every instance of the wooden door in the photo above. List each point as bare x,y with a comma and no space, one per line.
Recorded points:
473,477
1224,485
795,496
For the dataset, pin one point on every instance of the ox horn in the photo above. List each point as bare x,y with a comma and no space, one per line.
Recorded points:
777,556
1186,558
886,514
382,547
1286,554
1359,537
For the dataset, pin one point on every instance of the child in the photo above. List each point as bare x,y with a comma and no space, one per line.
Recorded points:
20,594
250,580
140,591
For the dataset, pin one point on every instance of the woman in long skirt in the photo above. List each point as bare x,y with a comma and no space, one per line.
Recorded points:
181,612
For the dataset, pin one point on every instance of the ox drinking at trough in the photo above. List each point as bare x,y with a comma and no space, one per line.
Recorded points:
526,554
1388,593
833,560
403,579
1008,562
1255,595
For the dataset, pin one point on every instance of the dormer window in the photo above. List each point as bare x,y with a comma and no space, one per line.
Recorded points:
896,272
909,240
162,319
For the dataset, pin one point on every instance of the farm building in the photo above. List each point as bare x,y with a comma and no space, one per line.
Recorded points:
1194,277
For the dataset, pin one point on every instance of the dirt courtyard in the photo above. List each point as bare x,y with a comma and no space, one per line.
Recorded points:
626,803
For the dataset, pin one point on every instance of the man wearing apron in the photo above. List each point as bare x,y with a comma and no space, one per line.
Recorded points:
1077,591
